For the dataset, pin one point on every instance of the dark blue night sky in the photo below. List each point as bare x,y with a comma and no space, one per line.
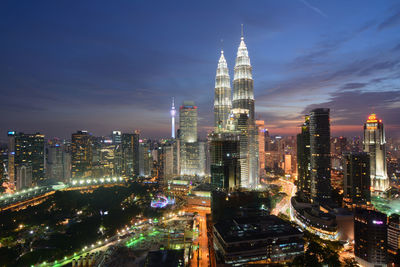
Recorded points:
108,65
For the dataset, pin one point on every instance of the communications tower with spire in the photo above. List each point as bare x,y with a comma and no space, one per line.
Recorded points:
173,114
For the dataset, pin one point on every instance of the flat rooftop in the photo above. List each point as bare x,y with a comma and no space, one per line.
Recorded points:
254,228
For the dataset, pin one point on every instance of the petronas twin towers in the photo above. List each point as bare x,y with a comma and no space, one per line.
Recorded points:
236,114
243,88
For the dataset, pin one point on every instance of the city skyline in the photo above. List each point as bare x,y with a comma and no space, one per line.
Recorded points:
76,75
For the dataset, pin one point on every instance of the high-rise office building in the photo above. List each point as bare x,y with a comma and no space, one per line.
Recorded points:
3,160
393,236
23,176
304,160
370,238
320,155
375,145
225,164
357,180
58,162
130,154
81,154
170,160
242,121
189,145
202,158
190,157
222,96
188,122
243,84
107,158
145,158
243,105
26,149
116,137
261,146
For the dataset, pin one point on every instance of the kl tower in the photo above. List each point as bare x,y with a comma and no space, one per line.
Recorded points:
173,113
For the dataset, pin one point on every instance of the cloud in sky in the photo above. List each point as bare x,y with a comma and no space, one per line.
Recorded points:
77,66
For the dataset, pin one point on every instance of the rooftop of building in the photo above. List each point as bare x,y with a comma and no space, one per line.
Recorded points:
253,228
370,214
203,187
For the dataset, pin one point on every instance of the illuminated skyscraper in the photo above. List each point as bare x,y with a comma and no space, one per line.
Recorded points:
304,160
188,122
173,113
222,97
81,154
393,236
357,179
225,164
243,105
375,145
261,145
189,146
320,148
26,149
370,238
243,84
116,137
58,162
130,154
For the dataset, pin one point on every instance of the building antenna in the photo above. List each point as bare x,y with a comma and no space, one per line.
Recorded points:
242,32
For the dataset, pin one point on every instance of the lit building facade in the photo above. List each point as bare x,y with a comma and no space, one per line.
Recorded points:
170,160
258,240
145,158
225,163
261,146
188,122
190,159
81,154
320,155
370,238
58,162
24,176
188,143
393,236
243,84
357,180
243,105
375,145
130,153
116,137
222,96
304,160
26,149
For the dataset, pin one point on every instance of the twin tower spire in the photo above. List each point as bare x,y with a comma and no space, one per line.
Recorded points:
243,92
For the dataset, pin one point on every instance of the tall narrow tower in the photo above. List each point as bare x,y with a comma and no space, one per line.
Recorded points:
243,109
375,145
320,149
173,113
243,85
222,97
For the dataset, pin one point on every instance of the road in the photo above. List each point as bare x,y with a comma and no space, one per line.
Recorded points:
284,205
200,255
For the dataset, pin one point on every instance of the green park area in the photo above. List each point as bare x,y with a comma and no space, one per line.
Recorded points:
69,220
